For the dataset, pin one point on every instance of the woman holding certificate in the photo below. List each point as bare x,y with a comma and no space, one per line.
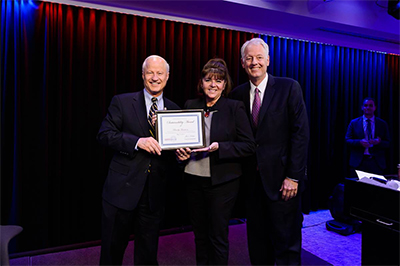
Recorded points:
212,173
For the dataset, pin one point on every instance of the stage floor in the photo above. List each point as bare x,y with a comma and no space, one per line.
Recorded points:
320,247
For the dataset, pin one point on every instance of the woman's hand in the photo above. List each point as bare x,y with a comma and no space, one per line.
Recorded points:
183,153
213,147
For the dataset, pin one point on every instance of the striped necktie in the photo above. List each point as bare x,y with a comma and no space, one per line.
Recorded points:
152,111
256,106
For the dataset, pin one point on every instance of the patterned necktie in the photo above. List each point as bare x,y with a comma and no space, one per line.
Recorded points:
369,129
152,111
256,106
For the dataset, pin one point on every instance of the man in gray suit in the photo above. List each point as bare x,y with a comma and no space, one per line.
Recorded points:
275,174
134,191
368,138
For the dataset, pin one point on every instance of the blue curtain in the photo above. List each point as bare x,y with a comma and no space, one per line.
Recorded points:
334,82
60,66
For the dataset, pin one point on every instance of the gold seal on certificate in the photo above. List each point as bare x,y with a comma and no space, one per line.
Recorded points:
180,128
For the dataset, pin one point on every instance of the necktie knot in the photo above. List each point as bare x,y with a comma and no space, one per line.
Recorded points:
154,100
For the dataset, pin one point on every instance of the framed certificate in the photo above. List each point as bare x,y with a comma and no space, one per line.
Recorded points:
180,129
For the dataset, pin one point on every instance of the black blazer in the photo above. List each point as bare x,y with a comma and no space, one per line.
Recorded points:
355,133
282,135
124,124
231,129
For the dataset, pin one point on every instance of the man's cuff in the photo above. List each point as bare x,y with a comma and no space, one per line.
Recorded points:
136,148
294,180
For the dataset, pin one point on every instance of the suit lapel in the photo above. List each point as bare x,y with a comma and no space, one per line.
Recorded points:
268,95
216,118
139,107
360,128
378,128
168,104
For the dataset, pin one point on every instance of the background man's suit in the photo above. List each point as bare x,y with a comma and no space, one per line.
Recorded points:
282,142
135,177
355,133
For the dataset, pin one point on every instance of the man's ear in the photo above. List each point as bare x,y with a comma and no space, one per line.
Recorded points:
242,62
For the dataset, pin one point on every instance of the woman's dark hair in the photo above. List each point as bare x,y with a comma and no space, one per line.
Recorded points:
217,68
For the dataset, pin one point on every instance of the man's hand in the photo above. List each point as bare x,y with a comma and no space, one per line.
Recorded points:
150,145
153,120
183,154
289,189
375,141
365,143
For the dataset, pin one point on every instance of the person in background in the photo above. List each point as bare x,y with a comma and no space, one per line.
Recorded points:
134,191
368,138
275,174
212,173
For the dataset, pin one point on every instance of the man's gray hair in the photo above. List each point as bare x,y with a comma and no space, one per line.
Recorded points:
255,41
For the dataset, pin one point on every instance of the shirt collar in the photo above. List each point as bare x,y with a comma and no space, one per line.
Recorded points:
148,96
372,119
262,86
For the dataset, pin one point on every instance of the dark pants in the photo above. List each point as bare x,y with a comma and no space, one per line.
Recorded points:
116,228
369,165
210,208
273,229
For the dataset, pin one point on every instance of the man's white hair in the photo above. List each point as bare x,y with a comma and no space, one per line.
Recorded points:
155,56
255,41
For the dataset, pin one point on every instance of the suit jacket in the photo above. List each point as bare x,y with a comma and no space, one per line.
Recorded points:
231,129
355,133
124,124
282,134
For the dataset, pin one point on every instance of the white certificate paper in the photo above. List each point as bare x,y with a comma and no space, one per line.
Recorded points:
180,129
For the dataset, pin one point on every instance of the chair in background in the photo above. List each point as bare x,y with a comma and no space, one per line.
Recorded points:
7,232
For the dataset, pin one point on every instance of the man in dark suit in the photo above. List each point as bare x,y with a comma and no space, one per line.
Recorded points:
368,138
275,175
134,191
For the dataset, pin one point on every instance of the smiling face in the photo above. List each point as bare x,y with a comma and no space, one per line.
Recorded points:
212,86
255,61
155,75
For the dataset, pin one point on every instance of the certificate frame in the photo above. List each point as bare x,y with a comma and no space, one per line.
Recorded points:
180,129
